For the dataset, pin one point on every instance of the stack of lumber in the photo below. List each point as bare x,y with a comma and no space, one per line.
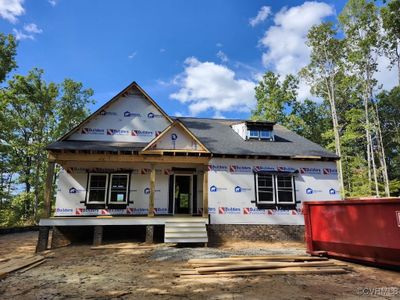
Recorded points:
261,265
23,264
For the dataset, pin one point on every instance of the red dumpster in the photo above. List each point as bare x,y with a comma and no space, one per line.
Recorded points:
361,230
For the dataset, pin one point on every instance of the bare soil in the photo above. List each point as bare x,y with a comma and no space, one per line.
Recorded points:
77,272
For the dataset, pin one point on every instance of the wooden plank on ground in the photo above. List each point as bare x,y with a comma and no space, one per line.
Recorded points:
283,271
32,266
16,264
123,246
279,257
267,265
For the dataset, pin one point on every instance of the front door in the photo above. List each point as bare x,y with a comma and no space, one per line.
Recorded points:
183,195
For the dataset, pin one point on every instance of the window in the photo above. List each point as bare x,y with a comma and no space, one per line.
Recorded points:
111,189
274,190
118,188
260,134
266,189
285,189
265,134
97,188
254,133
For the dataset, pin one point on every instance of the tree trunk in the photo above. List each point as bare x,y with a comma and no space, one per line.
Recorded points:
382,152
337,137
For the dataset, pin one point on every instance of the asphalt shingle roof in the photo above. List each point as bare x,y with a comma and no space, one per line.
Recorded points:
218,137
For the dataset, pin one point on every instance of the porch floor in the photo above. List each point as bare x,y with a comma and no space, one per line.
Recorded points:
118,220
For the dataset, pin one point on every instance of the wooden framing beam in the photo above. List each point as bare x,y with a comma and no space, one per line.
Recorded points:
205,193
48,192
82,157
152,191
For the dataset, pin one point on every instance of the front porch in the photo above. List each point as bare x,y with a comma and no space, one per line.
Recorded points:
177,229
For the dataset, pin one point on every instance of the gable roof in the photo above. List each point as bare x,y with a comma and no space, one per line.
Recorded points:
215,136
110,102
179,124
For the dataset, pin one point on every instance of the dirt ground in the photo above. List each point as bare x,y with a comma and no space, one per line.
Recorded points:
77,272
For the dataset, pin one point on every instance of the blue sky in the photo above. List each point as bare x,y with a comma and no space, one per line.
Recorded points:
199,58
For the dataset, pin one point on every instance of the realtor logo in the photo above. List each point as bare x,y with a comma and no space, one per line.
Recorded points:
146,191
213,188
332,192
73,190
174,136
238,189
309,191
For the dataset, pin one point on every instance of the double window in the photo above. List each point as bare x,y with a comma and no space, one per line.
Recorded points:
274,190
104,188
261,134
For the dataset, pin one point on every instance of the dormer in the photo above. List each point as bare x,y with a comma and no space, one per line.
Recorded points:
255,130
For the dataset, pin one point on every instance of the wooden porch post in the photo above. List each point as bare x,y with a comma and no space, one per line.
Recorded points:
205,193
43,236
152,191
48,192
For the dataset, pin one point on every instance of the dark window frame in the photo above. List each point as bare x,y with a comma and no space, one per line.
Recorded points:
276,203
108,203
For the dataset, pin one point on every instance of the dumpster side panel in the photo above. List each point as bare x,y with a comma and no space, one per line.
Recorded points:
367,230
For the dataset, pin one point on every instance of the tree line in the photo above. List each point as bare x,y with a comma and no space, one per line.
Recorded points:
33,113
355,117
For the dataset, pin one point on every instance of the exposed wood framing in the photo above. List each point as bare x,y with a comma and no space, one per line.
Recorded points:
152,191
177,123
80,157
205,193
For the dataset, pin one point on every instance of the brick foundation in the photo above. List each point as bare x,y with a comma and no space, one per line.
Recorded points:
219,233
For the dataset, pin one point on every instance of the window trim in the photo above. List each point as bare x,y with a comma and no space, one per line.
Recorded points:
126,190
88,202
273,191
276,202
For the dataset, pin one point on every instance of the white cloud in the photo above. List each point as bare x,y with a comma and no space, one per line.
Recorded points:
53,2
11,9
285,41
162,50
287,51
387,78
219,45
262,15
222,56
132,55
210,86
20,35
32,28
